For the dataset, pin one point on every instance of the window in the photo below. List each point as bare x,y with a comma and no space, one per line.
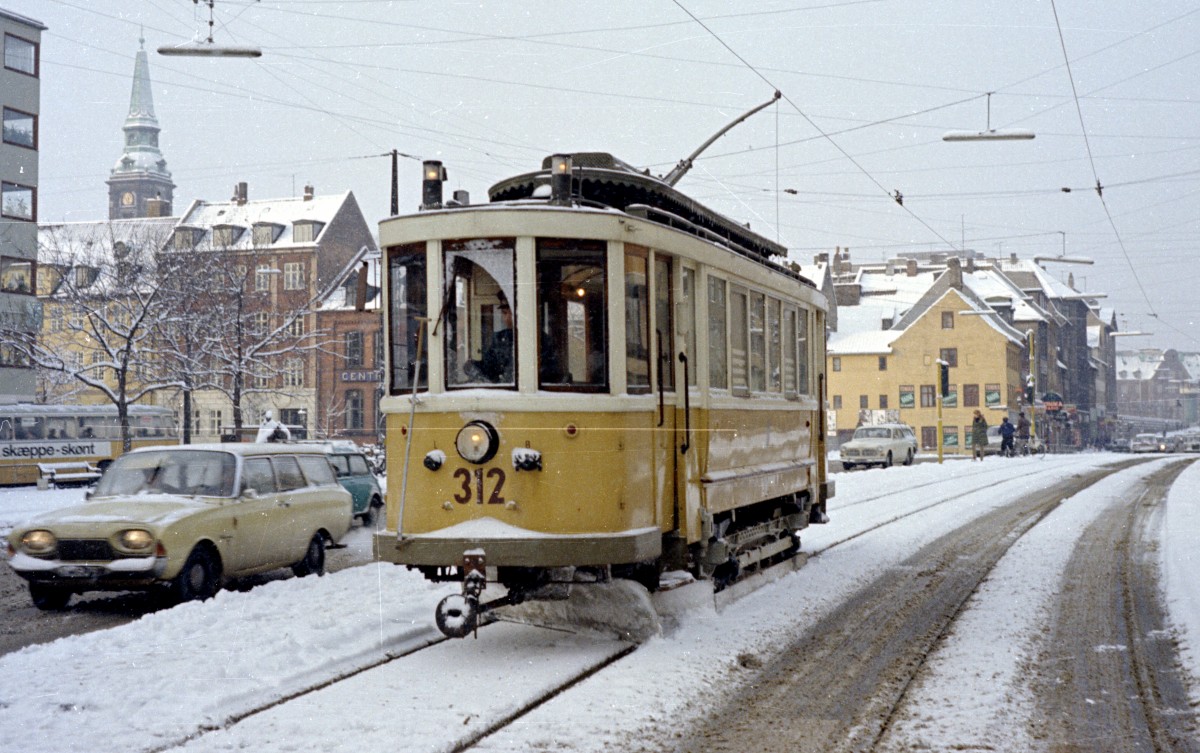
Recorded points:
928,437
354,349
305,232
56,319
262,322
293,373
774,370
802,353
664,331
480,347
20,55
296,327
970,395
789,352
316,470
739,347
950,356
837,402
864,403
837,363
883,401
758,342
185,239
950,437
295,419
354,410
293,275
377,351
928,396
407,301
947,320
225,236
687,282
718,372
17,201
264,234
20,128
257,475
572,324
637,321
214,422
883,363
950,399
907,396
991,394
287,470
17,275
262,277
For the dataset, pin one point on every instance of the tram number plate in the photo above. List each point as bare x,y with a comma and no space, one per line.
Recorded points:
482,486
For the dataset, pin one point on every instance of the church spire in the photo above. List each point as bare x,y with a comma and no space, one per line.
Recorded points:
140,184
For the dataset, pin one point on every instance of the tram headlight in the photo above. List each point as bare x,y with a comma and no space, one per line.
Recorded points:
477,442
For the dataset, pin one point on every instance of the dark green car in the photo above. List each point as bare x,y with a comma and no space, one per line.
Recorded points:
355,476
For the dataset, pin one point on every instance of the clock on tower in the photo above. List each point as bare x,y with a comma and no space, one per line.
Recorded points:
127,199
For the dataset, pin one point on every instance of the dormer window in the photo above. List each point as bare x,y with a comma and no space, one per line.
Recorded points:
306,232
186,238
225,236
265,233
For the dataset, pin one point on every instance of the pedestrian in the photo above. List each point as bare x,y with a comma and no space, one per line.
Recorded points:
979,437
1007,430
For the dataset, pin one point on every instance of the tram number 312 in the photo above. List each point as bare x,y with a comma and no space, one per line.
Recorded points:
467,493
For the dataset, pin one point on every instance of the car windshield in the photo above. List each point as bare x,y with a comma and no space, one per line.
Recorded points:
872,432
193,472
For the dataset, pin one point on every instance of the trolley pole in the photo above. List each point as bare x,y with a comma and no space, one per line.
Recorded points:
1032,387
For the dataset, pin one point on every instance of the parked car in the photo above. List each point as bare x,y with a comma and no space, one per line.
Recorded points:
881,445
994,441
188,517
354,473
1147,443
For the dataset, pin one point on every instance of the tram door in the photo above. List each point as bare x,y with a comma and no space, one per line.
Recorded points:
664,349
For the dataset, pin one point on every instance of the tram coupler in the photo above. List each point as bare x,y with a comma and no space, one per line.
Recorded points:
458,614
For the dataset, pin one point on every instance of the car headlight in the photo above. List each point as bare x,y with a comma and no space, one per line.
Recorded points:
135,541
39,543
477,442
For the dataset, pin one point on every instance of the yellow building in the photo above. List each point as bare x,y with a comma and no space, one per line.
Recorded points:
883,362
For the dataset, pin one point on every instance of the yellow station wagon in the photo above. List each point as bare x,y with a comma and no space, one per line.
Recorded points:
189,517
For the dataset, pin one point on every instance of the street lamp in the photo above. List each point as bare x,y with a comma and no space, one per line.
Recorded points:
990,134
208,48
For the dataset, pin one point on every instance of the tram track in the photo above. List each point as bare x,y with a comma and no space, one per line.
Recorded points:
840,684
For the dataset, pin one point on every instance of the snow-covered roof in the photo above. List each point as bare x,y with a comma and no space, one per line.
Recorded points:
342,295
1138,364
283,213
846,343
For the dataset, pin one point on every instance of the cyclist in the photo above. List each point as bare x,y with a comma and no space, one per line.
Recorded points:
1006,437
1023,432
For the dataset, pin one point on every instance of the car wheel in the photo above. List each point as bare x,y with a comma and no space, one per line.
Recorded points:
847,466
888,463
371,516
314,558
49,598
908,458
199,579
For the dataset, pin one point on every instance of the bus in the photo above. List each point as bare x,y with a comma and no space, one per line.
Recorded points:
32,434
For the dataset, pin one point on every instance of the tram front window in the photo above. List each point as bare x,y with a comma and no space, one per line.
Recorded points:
572,329
407,302
480,335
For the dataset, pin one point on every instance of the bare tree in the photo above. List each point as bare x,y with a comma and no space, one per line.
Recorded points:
101,292
253,338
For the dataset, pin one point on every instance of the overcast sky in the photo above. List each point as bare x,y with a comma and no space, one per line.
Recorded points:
869,88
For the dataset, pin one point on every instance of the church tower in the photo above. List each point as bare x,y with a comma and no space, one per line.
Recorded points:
140,184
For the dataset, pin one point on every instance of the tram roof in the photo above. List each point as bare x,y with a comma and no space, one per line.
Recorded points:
603,179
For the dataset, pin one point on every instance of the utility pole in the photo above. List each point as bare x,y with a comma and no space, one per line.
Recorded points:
395,182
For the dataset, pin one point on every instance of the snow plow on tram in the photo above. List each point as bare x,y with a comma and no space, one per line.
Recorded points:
590,377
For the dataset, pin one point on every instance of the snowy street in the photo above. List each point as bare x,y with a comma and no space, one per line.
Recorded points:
945,607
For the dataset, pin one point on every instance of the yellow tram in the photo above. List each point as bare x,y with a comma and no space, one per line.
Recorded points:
594,376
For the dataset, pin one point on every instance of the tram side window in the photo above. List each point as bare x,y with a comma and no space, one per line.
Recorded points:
663,321
774,368
738,340
59,428
758,342
572,328
480,290
802,353
789,352
7,428
718,355
637,321
687,282
407,306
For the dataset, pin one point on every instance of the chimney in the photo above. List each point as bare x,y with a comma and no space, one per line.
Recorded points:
954,269
155,207
1071,280
308,192
910,267
821,258
240,193
1013,257
462,198
360,292
970,264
